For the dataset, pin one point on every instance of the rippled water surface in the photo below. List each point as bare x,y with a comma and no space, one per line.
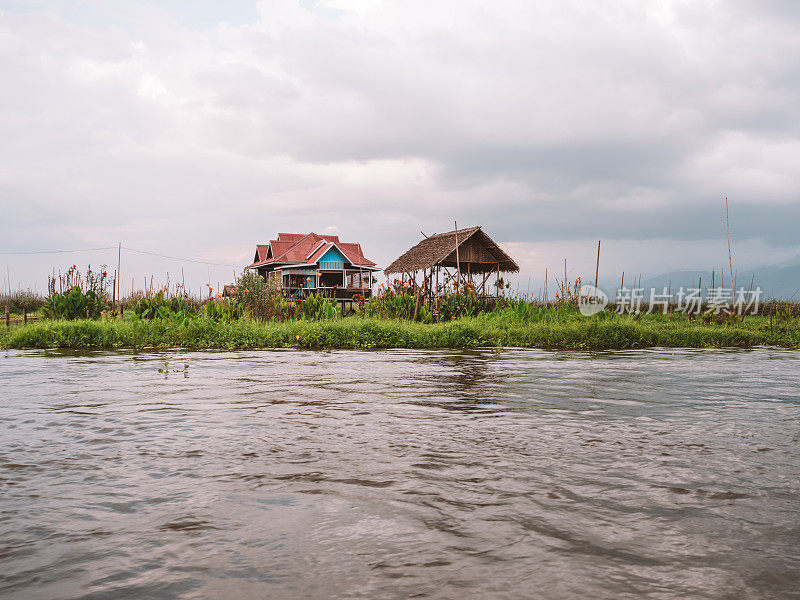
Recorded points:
399,474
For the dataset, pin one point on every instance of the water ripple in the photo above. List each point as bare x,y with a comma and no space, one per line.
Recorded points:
490,474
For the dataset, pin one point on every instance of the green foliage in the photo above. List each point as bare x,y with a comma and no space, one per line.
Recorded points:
555,330
176,310
75,304
225,310
261,300
22,300
390,305
316,308
78,297
466,303
395,304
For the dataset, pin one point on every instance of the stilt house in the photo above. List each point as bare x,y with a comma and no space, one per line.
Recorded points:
453,259
307,263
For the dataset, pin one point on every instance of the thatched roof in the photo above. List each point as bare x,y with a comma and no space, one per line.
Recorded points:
477,251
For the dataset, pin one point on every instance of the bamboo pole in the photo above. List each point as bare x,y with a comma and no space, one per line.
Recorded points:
597,266
730,256
119,272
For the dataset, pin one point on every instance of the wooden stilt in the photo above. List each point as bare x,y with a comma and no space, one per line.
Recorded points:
458,260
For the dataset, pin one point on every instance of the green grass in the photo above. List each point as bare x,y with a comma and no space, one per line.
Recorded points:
550,329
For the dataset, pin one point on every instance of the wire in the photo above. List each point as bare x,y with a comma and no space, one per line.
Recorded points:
60,251
201,262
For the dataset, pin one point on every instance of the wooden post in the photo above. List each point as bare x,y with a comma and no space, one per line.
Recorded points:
24,315
8,316
119,272
416,297
437,293
730,258
597,267
458,260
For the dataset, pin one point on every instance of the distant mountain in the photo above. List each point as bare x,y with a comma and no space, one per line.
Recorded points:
781,282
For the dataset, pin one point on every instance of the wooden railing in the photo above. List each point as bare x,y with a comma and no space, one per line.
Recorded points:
331,265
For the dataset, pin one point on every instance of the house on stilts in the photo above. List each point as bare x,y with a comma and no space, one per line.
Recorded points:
308,263
452,260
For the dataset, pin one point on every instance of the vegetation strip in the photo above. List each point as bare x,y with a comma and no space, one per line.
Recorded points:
560,330
79,314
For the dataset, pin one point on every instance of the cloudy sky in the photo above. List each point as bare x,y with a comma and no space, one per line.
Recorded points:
197,129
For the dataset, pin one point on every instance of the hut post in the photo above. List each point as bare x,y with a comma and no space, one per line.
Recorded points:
437,290
416,296
458,260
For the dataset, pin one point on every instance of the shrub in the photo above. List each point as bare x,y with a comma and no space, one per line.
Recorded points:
260,299
467,303
77,297
316,308
224,310
22,300
178,310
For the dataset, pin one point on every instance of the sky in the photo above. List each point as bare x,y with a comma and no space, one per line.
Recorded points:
197,129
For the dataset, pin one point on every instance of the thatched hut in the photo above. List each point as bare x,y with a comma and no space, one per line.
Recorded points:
460,255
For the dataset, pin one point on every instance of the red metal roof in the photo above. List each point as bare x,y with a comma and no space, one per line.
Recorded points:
303,249
261,252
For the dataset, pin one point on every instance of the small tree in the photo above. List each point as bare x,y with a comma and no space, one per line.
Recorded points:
261,299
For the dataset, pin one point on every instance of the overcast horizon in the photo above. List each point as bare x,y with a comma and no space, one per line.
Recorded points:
198,129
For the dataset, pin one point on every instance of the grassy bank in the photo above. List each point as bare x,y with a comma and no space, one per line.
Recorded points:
569,332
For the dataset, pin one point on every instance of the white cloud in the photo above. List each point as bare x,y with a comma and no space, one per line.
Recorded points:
549,123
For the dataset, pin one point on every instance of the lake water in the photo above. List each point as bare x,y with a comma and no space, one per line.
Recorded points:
400,474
